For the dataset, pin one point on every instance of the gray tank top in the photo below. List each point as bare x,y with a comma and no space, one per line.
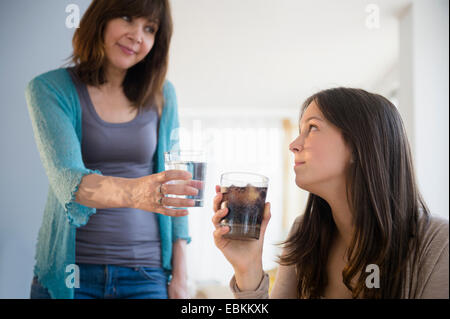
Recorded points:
118,236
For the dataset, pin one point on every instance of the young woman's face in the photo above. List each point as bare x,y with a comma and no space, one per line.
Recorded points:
128,40
321,155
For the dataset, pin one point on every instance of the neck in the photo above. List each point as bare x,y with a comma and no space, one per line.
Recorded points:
342,215
114,78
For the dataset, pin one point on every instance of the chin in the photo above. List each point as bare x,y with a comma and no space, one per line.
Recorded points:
309,186
301,184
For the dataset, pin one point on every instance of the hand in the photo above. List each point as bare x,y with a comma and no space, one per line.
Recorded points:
178,288
244,256
149,192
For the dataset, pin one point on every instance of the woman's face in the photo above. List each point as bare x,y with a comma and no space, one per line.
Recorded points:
128,40
321,155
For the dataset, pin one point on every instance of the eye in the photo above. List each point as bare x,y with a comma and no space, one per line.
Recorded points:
150,29
126,18
311,126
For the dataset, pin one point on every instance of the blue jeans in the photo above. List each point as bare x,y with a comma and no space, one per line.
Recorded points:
114,282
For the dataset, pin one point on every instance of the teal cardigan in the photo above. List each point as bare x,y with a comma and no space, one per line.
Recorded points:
55,114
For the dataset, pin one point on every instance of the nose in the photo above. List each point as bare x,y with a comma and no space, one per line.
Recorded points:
136,34
296,145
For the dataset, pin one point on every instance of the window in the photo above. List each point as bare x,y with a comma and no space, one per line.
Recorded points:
233,143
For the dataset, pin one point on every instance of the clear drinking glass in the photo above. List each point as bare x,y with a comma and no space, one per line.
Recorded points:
193,162
244,194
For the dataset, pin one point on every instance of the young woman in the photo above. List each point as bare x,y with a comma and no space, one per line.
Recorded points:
102,127
366,231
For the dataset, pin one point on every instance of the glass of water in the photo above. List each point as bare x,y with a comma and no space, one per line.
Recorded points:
193,162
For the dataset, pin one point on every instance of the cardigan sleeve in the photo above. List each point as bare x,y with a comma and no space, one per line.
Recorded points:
180,229
53,121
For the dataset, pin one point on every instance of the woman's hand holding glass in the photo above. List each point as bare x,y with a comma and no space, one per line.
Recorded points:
151,192
244,255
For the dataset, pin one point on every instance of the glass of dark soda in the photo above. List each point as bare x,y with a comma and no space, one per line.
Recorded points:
244,194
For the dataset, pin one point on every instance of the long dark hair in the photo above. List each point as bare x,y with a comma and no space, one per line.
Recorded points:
143,83
381,191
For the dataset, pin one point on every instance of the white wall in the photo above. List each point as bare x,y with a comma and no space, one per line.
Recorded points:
272,54
424,96
34,40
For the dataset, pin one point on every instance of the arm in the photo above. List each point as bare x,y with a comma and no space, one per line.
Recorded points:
78,189
105,191
253,287
178,285
180,233
52,118
436,286
285,285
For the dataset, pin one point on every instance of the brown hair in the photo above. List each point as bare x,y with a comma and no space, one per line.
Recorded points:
143,83
382,194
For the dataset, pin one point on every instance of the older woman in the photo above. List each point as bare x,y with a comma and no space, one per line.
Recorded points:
101,127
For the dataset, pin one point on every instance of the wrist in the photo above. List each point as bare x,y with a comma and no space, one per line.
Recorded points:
133,192
247,268
179,268
249,279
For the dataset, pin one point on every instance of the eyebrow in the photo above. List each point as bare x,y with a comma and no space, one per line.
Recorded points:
312,118
153,20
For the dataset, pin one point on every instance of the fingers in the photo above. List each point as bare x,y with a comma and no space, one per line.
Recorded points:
177,202
196,184
179,189
219,232
173,174
217,199
221,213
172,212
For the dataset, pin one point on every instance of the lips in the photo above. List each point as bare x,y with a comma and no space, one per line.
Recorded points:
126,49
299,163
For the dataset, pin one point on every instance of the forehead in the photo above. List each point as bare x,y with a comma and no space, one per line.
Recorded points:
312,110
147,19
150,10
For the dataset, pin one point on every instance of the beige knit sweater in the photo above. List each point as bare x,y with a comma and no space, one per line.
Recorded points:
428,280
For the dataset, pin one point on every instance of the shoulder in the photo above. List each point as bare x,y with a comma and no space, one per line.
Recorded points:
433,234
170,108
432,271
168,89
53,89
57,76
57,80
